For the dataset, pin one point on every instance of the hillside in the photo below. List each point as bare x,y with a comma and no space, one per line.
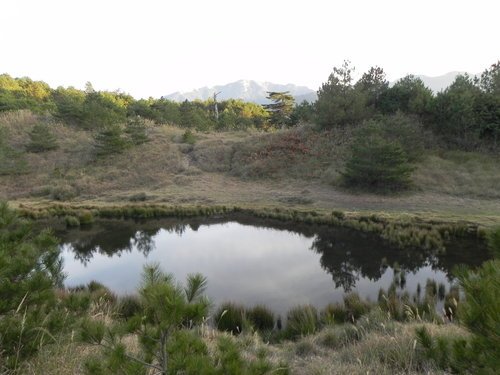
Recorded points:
294,168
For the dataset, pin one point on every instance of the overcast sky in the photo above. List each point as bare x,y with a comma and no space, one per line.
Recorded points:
155,47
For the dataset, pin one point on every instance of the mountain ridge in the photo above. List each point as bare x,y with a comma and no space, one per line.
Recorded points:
256,91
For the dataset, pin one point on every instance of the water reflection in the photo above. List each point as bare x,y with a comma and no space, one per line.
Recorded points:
256,261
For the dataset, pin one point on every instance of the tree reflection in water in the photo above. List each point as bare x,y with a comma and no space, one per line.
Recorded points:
346,254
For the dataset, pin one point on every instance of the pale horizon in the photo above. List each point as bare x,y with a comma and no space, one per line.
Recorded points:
154,48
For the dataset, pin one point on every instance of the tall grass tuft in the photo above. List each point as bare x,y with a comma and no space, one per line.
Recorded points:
261,318
230,317
301,320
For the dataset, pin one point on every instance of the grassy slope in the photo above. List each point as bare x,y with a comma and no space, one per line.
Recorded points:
297,168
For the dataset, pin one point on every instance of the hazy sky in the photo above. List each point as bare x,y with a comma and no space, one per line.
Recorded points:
155,47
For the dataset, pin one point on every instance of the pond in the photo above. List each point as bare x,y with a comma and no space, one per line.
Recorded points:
253,261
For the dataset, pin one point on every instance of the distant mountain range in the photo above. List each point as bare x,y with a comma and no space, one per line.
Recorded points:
248,90
253,91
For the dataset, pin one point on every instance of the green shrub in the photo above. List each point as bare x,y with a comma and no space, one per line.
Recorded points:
230,317
85,217
188,137
305,348
355,306
12,162
493,240
339,215
128,306
302,320
136,131
77,301
478,353
480,312
261,318
334,313
110,140
71,221
41,139
31,268
165,308
188,355
376,163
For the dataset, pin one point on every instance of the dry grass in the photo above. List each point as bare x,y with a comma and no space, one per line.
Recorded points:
375,345
462,174
296,168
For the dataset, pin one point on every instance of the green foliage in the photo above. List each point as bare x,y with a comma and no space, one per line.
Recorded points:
71,221
261,318
478,353
493,239
188,137
376,163
23,93
480,312
110,140
303,113
355,306
164,308
334,313
339,102
30,269
12,162
129,306
281,108
136,131
408,95
230,317
41,139
302,320
85,217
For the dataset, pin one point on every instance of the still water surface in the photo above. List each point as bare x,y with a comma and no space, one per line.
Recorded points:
252,262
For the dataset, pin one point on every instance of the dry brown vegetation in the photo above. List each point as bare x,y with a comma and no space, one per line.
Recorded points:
299,167
376,345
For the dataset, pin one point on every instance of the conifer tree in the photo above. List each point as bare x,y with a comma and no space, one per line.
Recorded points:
281,108
12,162
136,131
41,139
377,164
110,140
30,269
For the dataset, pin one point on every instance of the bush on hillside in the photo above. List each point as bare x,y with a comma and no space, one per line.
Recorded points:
41,139
12,162
377,164
136,131
110,140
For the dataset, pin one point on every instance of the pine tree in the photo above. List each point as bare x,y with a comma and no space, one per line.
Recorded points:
377,164
110,140
12,162
41,139
136,131
281,108
30,269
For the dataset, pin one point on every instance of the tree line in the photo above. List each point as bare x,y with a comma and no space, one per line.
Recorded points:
93,110
465,115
